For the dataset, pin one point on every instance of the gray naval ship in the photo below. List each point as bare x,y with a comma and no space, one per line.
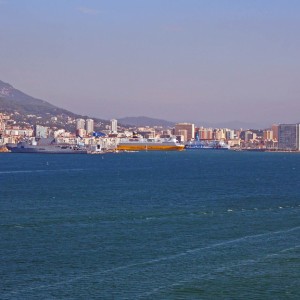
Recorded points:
47,146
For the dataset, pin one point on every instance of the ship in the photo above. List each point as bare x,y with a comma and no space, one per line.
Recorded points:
198,144
149,144
47,146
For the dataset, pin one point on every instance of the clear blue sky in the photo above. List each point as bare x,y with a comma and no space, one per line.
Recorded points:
181,60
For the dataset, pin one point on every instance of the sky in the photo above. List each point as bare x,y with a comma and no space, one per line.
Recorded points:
178,60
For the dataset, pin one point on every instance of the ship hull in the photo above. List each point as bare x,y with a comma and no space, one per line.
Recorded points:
13,150
207,145
45,150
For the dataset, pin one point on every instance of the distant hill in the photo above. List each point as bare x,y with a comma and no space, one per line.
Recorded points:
233,125
30,110
145,121
12,100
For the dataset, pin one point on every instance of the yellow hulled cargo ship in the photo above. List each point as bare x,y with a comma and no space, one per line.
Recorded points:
141,144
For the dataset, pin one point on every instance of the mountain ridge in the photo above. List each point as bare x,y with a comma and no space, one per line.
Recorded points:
30,110
148,121
13,100
145,121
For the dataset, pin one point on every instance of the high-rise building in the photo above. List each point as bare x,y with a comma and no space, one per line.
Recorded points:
249,135
80,124
205,133
183,133
114,126
289,136
268,135
219,134
89,126
275,131
229,134
189,127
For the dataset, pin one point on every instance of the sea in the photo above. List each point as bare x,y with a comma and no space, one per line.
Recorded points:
150,225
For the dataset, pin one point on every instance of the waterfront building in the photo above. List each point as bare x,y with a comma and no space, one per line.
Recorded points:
236,142
238,132
275,131
17,132
89,126
268,135
289,137
150,133
59,132
80,124
114,126
249,135
229,134
190,130
41,131
219,134
205,133
167,132
183,135
81,132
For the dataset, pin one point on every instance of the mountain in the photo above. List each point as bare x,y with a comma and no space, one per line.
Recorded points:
145,121
29,110
233,125
12,100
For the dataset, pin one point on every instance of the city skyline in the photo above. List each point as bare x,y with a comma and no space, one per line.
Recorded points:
174,60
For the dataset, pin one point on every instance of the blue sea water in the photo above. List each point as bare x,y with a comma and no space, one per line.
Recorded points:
150,225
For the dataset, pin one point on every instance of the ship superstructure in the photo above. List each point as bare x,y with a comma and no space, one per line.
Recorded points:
47,146
206,145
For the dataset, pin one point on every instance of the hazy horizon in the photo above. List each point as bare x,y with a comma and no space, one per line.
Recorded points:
215,61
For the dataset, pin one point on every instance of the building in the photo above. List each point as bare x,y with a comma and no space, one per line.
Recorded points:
114,126
205,133
289,137
268,135
2,125
18,132
219,134
183,135
249,135
275,131
89,126
3,119
41,131
81,132
150,133
80,124
230,134
190,130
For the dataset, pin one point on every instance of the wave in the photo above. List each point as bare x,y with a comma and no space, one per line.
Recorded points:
216,272
172,257
39,171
